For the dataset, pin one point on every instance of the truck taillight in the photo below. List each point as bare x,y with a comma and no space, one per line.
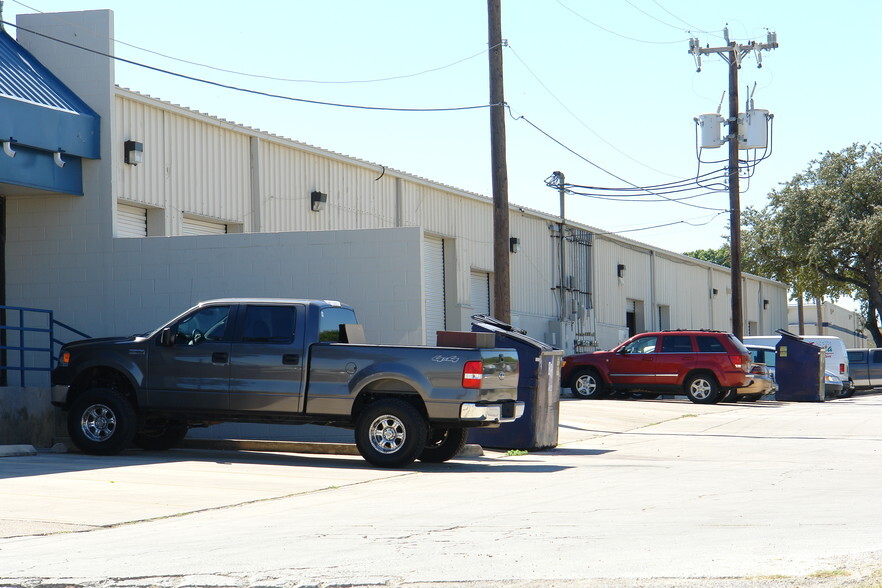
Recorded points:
842,368
472,374
64,359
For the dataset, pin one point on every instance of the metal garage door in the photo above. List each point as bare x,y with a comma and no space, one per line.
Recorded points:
480,292
196,226
131,221
433,281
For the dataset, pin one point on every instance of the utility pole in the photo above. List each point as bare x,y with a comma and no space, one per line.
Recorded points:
733,53
501,252
735,198
559,177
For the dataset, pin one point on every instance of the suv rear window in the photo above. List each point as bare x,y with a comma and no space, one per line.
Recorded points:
676,344
709,344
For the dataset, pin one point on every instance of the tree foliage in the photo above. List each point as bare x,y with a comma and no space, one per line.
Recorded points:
719,256
822,231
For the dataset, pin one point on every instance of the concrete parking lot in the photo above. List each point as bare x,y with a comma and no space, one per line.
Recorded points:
638,493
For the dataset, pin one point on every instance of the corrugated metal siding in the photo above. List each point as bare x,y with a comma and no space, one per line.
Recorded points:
532,269
683,286
358,198
189,164
139,122
611,292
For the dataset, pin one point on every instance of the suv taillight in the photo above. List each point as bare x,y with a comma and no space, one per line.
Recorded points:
737,361
472,374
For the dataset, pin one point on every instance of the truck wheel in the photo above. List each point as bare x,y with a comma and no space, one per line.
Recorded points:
101,422
702,389
161,434
443,444
390,433
587,384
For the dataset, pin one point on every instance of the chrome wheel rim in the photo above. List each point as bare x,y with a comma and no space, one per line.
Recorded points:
387,434
586,385
98,423
701,389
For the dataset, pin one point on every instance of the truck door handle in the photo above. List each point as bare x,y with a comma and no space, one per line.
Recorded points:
220,357
291,359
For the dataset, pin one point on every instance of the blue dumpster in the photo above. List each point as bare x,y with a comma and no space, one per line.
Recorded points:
799,370
538,388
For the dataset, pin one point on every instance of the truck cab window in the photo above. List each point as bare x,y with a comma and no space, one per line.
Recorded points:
269,324
330,320
206,324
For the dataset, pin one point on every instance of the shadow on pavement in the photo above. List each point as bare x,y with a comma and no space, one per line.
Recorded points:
58,463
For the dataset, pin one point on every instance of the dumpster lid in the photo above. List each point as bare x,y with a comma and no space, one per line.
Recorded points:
494,325
785,333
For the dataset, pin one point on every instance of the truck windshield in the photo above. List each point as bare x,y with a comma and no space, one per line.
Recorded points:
330,321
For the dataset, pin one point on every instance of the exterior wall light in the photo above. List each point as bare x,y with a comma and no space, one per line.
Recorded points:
134,152
317,201
620,270
765,304
514,244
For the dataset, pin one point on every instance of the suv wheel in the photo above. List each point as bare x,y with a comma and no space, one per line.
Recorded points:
586,384
702,389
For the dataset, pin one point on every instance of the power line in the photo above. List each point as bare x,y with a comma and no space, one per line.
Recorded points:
588,161
591,22
670,224
655,18
247,90
571,113
274,78
680,19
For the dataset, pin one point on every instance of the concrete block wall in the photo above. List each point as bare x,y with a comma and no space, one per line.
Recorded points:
377,271
27,417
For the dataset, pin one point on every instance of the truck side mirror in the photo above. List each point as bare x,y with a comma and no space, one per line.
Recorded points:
167,337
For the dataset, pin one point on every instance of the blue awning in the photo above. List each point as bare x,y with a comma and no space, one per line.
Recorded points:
40,116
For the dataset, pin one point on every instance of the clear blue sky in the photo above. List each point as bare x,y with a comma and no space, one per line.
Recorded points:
611,80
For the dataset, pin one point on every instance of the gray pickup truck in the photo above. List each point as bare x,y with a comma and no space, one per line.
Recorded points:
865,367
281,361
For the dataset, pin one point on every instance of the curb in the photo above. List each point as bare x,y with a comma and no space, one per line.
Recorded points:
17,450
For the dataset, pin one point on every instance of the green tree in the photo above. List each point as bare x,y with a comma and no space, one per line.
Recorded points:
719,256
822,231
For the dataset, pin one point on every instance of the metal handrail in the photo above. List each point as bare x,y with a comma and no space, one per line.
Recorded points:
22,349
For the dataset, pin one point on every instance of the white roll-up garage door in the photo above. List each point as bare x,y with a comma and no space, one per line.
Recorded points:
131,221
480,292
196,226
433,283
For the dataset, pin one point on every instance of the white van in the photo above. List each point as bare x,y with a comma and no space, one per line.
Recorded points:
835,354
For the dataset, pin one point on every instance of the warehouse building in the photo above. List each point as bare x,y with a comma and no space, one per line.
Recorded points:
158,206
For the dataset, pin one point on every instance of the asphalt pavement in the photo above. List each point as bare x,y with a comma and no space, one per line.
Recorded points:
638,493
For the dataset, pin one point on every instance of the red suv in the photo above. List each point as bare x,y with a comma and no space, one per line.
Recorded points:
703,365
